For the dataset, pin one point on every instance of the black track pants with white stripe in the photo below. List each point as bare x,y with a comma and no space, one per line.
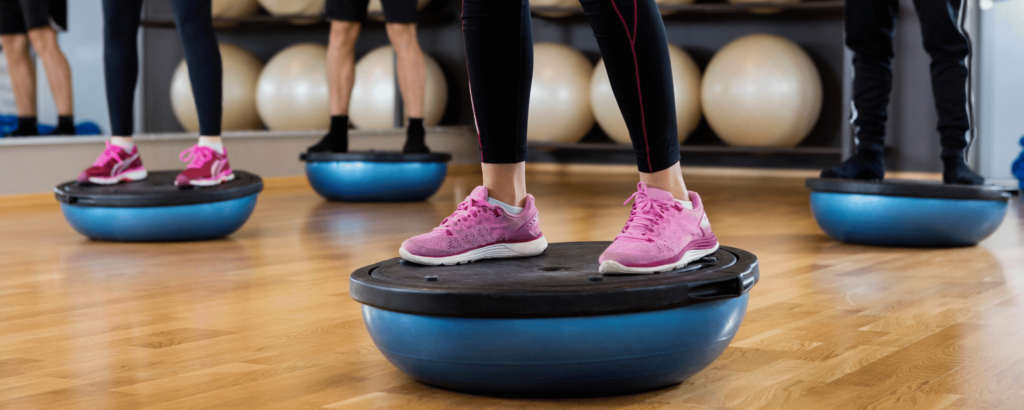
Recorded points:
631,35
870,26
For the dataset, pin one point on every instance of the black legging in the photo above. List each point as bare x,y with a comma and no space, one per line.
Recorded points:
870,26
631,35
121,60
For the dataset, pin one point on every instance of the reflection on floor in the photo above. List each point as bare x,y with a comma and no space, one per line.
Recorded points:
263,319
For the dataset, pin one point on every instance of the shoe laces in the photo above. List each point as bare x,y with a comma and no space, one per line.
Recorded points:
199,155
468,210
111,152
647,213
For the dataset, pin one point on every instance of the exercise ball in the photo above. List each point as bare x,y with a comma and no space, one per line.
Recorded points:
234,8
154,210
761,90
241,70
575,4
295,7
560,97
358,176
551,324
671,3
373,97
907,213
291,93
686,85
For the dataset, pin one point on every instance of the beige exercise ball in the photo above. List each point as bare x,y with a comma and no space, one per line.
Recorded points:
295,7
292,92
764,10
560,97
557,3
671,3
761,90
373,97
241,71
234,8
686,85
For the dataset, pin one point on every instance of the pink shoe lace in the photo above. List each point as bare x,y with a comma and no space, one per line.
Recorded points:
647,213
467,210
109,153
199,155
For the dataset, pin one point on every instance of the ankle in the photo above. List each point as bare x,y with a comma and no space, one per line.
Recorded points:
669,180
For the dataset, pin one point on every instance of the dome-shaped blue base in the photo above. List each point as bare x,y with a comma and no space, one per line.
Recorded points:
906,221
161,223
595,355
367,181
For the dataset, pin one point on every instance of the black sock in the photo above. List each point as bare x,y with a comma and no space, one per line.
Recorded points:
415,137
65,125
27,127
956,171
336,139
866,165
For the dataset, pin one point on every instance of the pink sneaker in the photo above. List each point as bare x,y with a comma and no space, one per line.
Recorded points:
478,230
115,165
207,167
660,235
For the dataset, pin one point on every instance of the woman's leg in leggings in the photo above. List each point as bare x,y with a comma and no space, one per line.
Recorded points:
499,51
121,61
631,35
202,55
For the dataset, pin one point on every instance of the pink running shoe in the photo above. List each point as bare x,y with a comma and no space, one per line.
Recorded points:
207,167
478,230
660,235
115,165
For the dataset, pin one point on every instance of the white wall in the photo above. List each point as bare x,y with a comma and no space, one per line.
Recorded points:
1002,89
83,47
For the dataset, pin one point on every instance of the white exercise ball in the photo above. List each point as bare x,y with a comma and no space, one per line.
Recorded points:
574,4
560,97
292,92
234,8
373,97
241,71
686,87
295,7
761,90
671,3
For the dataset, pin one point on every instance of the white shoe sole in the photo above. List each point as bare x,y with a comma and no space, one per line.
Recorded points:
210,182
688,257
131,176
497,251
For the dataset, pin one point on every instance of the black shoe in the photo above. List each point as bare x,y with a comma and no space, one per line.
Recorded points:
62,130
956,171
330,143
415,147
862,165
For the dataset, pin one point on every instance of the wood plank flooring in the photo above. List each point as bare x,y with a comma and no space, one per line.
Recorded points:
263,319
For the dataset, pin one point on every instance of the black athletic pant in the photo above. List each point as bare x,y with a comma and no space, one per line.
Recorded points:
631,35
121,60
870,26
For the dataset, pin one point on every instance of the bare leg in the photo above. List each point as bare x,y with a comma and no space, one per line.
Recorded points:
412,71
506,182
44,41
22,72
669,179
341,64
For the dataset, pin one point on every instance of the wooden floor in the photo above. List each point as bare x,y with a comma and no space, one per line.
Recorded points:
263,319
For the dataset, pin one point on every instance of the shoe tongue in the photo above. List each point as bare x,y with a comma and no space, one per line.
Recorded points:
480,193
659,195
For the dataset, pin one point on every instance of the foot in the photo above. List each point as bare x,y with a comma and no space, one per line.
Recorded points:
478,230
115,165
956,171
415,147
24,131
415,138
206,167
862,165
330,143
62,130
661,235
